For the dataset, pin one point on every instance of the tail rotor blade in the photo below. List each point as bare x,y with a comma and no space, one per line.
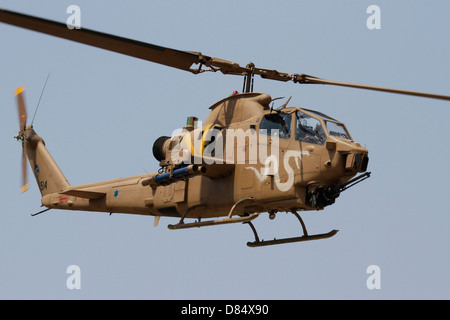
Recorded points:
21,108
24,169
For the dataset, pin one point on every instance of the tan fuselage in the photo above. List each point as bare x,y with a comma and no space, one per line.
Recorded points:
300,165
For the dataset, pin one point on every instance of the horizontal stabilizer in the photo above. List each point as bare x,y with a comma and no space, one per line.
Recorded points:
84,194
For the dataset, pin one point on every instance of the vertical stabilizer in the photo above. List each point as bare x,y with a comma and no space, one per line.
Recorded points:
49,176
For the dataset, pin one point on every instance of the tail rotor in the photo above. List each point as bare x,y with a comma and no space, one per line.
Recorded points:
22,111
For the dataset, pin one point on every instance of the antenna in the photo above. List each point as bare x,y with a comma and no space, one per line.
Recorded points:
286,103
42,92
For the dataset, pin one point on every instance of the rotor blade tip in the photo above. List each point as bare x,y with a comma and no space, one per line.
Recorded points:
24,188
19,90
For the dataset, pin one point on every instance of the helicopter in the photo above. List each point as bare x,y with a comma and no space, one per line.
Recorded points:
244,159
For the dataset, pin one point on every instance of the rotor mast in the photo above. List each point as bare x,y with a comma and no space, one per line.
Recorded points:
249,78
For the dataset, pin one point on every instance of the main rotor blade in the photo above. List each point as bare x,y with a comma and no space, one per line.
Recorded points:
166,56
175,58
310,79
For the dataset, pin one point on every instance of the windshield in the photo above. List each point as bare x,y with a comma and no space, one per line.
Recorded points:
337,130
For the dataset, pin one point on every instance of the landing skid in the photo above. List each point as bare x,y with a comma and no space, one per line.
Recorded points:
305,237
248,219
228,219
198,224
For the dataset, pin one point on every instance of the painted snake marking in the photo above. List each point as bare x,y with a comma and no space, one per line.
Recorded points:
271,169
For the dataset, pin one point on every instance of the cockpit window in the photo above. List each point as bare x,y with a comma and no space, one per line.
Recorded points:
309,129
337,130
276,125
320,114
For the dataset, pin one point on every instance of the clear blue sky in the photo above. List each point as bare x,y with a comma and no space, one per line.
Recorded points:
101,112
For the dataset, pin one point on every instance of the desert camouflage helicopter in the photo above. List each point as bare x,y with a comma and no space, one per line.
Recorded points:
246,158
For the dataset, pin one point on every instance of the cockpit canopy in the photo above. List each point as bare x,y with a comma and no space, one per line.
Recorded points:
310,126
334,127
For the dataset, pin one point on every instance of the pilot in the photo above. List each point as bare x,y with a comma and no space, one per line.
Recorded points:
320,134
276,118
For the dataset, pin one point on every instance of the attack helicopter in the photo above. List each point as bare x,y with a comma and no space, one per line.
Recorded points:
257,158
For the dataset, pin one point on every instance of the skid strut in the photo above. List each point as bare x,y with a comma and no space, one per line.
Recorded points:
228,219
305,237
